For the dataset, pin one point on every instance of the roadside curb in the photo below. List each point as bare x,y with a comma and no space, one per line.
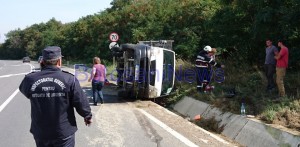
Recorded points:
243,130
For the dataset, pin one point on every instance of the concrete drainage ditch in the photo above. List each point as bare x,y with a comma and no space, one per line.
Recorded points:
246,131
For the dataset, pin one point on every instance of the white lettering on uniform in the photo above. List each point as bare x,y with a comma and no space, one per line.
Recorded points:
37,95
48,88
48,95
60,83
38,82
60,94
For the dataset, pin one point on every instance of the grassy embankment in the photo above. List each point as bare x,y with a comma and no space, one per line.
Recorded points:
250,86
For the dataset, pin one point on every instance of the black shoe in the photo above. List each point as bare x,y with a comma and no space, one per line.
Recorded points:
95,104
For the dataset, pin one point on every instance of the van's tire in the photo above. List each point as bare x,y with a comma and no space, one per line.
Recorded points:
124,47
116,49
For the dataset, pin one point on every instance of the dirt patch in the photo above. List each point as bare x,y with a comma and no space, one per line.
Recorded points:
290,119
210,124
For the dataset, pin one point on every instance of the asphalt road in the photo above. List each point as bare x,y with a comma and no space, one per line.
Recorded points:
116,123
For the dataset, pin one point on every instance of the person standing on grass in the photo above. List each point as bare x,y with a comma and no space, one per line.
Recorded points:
281,66
270,64
98,76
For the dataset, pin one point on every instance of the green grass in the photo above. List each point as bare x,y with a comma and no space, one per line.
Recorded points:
111,71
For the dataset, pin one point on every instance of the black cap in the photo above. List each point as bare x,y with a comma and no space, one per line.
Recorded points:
52,52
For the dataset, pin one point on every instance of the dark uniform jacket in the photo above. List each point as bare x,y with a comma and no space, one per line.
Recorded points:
53,96
203,60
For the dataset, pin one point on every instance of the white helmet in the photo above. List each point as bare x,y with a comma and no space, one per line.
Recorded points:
207,48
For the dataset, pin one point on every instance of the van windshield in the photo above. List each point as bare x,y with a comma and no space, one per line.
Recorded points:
169,69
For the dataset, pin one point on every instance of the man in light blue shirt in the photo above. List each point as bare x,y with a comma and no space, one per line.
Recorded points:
270,64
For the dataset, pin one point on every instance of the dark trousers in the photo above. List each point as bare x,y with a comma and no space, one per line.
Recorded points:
203,78
270,71
66,142
97,91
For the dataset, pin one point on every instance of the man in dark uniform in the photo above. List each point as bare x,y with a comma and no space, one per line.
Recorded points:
203,70
53,95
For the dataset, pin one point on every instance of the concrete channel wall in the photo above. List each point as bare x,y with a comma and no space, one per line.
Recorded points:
246,131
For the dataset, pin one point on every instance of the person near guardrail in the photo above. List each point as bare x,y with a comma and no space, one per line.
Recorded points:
204,59
98,77
53,95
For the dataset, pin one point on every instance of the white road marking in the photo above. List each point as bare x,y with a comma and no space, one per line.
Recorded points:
16,65
213,135
8,100
16,91
206,141
201,129
31,67
10,75
170,130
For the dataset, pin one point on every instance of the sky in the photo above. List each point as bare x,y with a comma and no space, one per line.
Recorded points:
16,14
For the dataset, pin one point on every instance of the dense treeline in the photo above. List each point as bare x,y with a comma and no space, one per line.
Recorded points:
237,27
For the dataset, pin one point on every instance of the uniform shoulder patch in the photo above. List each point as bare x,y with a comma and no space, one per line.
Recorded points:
32,72
67,72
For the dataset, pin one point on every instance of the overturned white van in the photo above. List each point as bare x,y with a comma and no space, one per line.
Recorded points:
146,70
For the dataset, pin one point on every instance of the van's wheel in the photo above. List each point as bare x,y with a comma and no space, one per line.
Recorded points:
124,47
116,49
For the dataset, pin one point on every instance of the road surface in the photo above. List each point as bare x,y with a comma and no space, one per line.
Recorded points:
116,123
